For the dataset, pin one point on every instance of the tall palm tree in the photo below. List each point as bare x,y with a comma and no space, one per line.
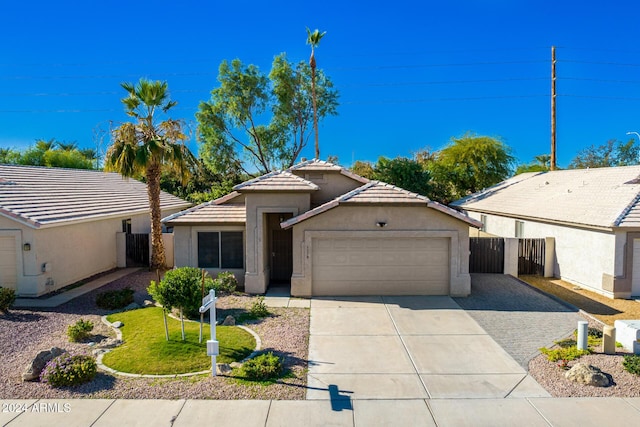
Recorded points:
313,39
145,146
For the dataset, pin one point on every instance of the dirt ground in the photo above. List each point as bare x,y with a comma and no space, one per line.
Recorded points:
602,308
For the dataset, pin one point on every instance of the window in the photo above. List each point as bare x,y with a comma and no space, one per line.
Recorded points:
519,229
220,249
483,220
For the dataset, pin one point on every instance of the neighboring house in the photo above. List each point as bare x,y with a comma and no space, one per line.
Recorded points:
327,231
593,215
59,226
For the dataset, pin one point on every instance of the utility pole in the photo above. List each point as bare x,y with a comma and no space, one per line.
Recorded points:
553,108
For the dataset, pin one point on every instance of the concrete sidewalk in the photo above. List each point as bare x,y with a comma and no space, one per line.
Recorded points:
67,296
519,412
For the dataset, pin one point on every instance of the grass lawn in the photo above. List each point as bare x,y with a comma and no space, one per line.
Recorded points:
146,351
603,308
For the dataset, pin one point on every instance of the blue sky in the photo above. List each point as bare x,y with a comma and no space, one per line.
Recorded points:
411,74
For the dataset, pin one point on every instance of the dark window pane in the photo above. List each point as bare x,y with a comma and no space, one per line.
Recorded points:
232,252
208,250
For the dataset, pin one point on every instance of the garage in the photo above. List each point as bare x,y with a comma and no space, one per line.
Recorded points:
8,262
381,266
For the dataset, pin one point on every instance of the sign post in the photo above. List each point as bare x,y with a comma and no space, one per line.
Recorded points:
213,349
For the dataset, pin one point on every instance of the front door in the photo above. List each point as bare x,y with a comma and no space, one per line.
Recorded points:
281,255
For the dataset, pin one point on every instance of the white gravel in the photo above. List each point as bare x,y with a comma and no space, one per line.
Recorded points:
24,332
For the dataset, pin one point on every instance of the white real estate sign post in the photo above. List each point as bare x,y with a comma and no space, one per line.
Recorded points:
213,349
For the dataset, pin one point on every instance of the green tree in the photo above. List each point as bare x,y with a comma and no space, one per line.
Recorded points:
610,154
146,146
541,163
9,156
313,39
403,172
364,169
229,127
49,153
469,164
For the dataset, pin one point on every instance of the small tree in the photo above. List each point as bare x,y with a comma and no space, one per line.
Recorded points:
180,288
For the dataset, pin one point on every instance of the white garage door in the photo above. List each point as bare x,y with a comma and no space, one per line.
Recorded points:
380,266
8,261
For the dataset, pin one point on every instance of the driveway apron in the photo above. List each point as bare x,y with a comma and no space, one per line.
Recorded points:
424,347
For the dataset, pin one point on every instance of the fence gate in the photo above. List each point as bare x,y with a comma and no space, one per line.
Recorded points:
137,250
487,255
531,256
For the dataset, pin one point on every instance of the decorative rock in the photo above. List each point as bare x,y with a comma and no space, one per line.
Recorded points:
35,367
109,343
587,374
148,303
117,324
229,321
223,368
236,364
132,306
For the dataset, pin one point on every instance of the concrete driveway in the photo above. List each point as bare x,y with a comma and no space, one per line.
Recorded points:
404,348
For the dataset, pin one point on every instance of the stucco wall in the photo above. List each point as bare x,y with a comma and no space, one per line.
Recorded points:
422,221
259,204
185,244
332,185
583,256
63,255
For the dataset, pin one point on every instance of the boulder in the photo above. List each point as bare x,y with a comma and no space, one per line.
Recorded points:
222,368
117,324
229,321
132,306
148,303
587,374
35,367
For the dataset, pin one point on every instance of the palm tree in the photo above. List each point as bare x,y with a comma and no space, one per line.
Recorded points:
145,146
313,39
68,146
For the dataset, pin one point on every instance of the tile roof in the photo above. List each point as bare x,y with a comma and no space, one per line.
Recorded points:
598,197
41,197
376,192
221,210
277,181
315,165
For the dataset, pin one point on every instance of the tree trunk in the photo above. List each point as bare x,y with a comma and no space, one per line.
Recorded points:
158,260
315,108
182,324
166,326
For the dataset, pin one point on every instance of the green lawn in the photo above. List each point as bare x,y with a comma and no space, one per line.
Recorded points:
146,351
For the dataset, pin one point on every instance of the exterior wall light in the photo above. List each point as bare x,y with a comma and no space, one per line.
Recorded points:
26,247
381,224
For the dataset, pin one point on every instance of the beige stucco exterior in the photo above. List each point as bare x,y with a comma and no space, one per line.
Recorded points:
312,206
596,259
401,222
62,255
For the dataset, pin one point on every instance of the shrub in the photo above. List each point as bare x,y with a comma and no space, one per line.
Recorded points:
631,363
113,300
225,283
68,370
264,367
563,353
259,309
181,288
7,298
79,331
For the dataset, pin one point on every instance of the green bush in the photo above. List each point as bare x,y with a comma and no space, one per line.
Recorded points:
79,331
67,370
563,353
7,298
259,309
225,283
181,288
631,363
113,300
264,367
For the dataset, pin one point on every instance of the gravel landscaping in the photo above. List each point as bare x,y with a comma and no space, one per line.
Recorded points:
24,332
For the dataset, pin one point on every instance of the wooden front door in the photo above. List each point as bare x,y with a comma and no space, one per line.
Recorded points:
281,255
